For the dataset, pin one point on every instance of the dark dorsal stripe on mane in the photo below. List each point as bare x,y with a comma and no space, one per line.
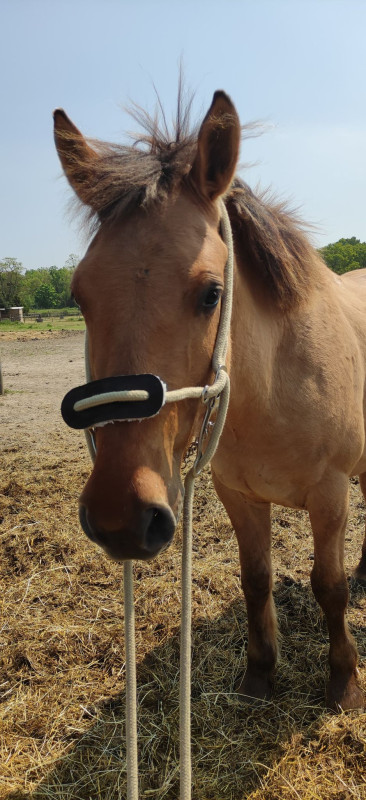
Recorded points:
268,237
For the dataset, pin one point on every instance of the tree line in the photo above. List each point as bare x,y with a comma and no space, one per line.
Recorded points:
345,255
47,287
50,287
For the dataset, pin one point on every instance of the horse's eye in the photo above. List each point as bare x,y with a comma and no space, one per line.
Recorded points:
211,298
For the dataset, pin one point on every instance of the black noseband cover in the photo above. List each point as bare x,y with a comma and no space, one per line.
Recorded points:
121,410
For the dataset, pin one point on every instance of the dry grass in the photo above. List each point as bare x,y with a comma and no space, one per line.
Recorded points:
62,656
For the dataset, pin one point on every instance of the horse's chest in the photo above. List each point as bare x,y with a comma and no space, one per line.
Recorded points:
264,465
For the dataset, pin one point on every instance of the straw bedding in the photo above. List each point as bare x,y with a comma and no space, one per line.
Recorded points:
62,649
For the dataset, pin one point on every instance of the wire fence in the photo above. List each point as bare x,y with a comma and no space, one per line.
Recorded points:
55,313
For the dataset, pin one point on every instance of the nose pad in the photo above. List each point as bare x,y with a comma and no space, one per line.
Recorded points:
153,532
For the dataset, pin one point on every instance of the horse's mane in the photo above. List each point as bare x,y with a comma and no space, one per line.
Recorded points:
269,238
272,244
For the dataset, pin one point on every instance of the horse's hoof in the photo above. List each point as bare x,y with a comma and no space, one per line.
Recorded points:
254,688
345,695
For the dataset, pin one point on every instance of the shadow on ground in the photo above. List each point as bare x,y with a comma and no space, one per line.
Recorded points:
234,745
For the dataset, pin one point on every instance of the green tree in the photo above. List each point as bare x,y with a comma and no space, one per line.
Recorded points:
61,282
31,281
45,296
345,255
10,282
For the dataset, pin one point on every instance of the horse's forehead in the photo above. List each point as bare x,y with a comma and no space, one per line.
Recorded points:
164,234
179,236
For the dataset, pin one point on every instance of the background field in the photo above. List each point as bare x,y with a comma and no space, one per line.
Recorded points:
61,631
75,323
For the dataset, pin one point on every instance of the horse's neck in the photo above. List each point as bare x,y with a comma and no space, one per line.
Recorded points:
256,333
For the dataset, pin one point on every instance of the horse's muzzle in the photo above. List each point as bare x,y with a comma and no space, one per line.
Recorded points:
152,534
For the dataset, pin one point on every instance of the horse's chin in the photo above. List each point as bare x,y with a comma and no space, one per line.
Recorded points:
122,558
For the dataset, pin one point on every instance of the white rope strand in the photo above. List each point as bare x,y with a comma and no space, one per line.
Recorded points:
202,459
131,689
125,396
185,644
223,334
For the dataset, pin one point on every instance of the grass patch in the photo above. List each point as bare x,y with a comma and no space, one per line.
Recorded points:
69,311
50,324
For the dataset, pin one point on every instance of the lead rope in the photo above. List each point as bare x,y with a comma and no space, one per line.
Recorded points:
202,459
219,389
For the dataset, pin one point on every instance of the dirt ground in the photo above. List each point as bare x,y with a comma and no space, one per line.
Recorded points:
38,369
61,631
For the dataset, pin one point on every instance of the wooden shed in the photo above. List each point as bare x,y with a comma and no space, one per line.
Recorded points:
14,313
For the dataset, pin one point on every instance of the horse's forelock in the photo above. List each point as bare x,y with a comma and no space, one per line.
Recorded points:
122,178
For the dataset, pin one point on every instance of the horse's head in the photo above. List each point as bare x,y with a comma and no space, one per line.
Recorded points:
150,288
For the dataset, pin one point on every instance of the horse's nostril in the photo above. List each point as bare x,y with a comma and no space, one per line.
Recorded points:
87,525
160,526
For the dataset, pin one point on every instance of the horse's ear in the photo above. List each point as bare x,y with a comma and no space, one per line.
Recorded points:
76,156
217,148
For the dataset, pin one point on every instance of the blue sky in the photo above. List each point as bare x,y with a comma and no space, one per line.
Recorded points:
299,65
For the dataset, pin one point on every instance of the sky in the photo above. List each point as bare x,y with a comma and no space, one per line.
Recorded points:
297,65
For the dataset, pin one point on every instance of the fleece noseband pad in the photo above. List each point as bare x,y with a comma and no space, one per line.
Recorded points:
116,410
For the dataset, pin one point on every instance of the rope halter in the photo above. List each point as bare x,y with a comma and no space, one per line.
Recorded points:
131,397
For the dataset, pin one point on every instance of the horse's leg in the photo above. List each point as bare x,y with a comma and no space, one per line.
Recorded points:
252,526
360,571
328,510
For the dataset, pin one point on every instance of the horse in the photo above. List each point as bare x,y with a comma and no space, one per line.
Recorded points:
295,426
